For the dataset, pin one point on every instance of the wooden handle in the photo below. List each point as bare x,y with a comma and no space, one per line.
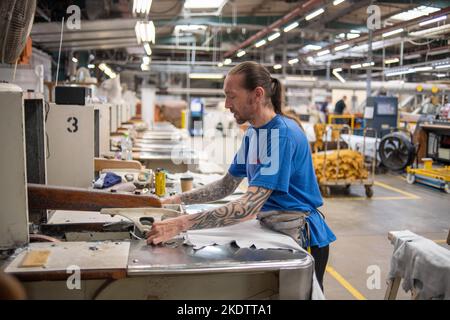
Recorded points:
78,199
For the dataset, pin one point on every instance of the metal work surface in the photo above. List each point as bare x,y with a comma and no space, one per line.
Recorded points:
176,258
94,259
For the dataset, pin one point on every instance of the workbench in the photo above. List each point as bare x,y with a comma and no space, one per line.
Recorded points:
135,270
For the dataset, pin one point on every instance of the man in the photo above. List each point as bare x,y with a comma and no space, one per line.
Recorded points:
283,191
339,109
340,106
325,109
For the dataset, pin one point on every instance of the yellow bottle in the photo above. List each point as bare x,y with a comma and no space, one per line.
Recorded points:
160,182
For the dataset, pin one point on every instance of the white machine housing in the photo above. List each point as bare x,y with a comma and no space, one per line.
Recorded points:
70,130
13,191
103,127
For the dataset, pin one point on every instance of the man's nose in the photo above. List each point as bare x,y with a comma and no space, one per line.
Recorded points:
227,104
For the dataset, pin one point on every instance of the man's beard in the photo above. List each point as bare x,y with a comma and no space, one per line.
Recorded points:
244,120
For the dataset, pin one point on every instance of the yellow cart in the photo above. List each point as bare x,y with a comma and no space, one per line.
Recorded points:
435,177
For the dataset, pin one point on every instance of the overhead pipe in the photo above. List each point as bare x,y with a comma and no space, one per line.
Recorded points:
365,37
299,10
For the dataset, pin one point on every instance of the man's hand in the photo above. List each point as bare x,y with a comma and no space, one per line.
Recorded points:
165,230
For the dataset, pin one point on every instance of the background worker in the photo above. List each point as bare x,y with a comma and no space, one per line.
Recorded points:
281,190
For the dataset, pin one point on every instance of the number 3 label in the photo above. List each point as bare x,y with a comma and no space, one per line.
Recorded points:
74,123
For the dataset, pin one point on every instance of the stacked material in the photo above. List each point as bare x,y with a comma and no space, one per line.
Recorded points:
319,129
349,163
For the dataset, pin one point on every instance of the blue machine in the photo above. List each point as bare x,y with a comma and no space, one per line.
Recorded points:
196,112
381,114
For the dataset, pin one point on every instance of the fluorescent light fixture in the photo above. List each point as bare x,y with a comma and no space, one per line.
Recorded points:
146,60
323,52
291,26
411,56
277,66
91,66
310,60
392,60
189,28
353,35
368,64
337,69
293,61
145,31
390,33
260,43
141,7
314,14
397,73
241,53
414,13
312,47
336,2
145,67
227,61
355,66
273,36
360,48
74,59
444,66
435,30
220,64
337,75
424,23
107,70
300,78
423,69
440,75
202,4
342,47
147,49
208,76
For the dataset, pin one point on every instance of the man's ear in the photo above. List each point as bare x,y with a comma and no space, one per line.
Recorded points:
259,93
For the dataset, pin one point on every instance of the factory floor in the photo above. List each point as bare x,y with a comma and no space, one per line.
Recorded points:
362,225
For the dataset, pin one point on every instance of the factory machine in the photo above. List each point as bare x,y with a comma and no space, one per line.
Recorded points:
381,114
107,256
70,128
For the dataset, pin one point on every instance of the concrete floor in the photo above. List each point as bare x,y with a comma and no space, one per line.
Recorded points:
361,226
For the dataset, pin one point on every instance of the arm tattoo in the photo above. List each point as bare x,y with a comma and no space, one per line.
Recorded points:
233,212
212,191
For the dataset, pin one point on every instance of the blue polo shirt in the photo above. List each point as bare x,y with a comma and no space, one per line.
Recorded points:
277,156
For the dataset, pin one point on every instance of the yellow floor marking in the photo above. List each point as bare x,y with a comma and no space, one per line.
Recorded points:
412,196
355,293
406,195
373,198
440,241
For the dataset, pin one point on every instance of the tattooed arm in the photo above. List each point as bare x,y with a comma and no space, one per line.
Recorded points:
213,191
245,208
